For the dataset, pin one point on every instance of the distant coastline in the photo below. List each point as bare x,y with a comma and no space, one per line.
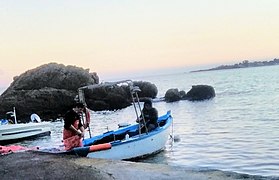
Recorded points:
243,64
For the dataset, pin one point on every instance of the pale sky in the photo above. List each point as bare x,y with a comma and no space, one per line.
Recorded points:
113,37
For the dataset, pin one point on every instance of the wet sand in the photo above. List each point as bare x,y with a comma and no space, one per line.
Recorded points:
37,165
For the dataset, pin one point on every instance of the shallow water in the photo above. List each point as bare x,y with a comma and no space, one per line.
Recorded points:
236,131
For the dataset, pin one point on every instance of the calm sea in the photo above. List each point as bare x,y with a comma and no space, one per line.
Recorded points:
237,131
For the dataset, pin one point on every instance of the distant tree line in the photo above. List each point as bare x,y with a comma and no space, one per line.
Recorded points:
243,64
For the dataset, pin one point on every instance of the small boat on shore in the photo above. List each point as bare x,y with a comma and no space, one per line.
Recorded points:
127,142
11,133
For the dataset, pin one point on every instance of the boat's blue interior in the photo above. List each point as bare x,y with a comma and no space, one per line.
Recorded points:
4,121
120,133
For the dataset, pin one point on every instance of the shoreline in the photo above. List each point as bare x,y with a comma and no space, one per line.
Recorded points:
39,165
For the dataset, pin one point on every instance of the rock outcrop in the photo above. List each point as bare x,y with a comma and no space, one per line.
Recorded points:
107,98
36,165
197,93
48,90
117,97
200,93
148,89
173,95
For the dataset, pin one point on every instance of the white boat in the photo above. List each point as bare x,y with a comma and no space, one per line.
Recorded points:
132,147
10,133
126,142
15,132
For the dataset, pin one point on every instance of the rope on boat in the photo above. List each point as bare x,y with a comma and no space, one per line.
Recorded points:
172,136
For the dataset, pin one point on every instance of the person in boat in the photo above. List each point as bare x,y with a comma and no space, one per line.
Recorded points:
149,115
10,120
73,131
10,117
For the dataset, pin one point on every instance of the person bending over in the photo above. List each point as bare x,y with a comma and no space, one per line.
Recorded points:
73,131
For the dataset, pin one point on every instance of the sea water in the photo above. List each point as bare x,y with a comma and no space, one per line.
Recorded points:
237,131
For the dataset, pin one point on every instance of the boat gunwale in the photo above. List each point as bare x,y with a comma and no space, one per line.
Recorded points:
166,117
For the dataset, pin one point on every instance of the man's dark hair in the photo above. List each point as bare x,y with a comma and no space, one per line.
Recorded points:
148,101
79,105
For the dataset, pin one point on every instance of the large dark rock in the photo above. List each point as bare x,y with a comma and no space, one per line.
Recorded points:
148,90
56,76
200,93
117,97
173,95
197,93
32,165
107,98
48,90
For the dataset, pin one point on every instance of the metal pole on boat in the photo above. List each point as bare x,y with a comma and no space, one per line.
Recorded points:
83,123
134,104
82,120
82,100
133,90
15,116
142,114
89,130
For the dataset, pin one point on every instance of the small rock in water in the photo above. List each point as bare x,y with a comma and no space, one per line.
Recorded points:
176,138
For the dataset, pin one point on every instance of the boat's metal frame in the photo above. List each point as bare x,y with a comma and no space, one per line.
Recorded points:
133,92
